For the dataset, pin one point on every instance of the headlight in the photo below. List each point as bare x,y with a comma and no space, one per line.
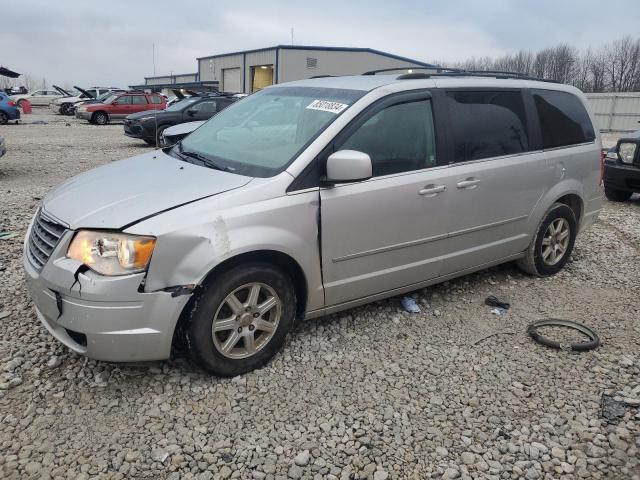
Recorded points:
627,152
110,253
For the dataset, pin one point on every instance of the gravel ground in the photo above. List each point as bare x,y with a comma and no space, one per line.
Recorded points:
372,393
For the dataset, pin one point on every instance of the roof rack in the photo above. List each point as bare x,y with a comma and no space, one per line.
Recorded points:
457,72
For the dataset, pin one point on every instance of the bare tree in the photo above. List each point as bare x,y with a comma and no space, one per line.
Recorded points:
622,67
614,67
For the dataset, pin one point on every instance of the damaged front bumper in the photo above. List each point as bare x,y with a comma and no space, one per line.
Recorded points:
105,318
83,114
55,108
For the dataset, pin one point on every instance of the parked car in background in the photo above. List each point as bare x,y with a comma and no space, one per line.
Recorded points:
8,109
308,198
39,97
149,125
622,168
66,105
101,99
120,106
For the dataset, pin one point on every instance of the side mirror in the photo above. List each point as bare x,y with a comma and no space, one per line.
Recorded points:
346,166
611,156
191,112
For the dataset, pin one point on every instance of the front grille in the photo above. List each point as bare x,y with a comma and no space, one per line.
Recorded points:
45,235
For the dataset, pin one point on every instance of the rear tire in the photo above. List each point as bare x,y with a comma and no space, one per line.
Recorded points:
252,307
615,195
552,244
3,118
100,118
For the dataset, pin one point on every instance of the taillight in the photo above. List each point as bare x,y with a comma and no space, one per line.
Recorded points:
11,103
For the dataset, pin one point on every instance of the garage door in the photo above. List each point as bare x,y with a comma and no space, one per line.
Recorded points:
231,80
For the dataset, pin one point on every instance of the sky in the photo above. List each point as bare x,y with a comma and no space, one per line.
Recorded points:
87,43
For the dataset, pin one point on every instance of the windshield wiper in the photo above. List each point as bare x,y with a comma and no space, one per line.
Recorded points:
206,161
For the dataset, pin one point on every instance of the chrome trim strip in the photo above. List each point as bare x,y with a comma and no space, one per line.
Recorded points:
421,241
396,246
488,225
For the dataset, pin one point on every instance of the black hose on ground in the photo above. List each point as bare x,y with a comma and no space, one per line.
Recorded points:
594,341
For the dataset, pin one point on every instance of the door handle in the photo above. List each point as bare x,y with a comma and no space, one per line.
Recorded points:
432,190
469,183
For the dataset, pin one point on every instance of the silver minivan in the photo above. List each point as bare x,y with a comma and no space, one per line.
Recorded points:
307,198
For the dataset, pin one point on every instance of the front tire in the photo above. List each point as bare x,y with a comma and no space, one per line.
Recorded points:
100,118
21,103
615,195
240,320
160,140
64,109
552,244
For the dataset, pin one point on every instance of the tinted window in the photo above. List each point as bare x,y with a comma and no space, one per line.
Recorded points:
487,124
207,107
563,119
124,100
398,138
139,100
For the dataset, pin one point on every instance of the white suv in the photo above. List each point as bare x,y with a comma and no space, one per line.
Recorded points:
39,97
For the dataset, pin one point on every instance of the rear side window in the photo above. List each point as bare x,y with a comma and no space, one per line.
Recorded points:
563,119
399,138
155,99
487,124
205,107
124,100
139,100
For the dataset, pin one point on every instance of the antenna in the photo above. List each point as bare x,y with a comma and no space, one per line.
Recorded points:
155,110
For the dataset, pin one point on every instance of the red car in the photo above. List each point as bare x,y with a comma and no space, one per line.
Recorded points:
119,105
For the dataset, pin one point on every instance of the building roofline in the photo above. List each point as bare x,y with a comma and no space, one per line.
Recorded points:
171,75
176,85
319,48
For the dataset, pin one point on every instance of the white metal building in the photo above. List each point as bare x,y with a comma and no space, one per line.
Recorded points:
250,70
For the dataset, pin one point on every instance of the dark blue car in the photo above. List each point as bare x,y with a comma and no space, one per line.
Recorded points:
8,109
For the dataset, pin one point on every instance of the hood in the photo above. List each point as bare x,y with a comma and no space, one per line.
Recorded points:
84,92
62,91
183,128
121,193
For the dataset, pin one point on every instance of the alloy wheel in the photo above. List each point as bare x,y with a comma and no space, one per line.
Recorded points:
555,241
246,320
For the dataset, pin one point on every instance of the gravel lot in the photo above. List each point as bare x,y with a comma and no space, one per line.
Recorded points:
372,393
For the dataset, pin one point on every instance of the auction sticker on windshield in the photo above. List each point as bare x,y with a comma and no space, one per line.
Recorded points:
326,106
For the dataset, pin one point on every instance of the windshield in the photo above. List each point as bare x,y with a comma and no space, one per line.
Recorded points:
180,104
263,133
